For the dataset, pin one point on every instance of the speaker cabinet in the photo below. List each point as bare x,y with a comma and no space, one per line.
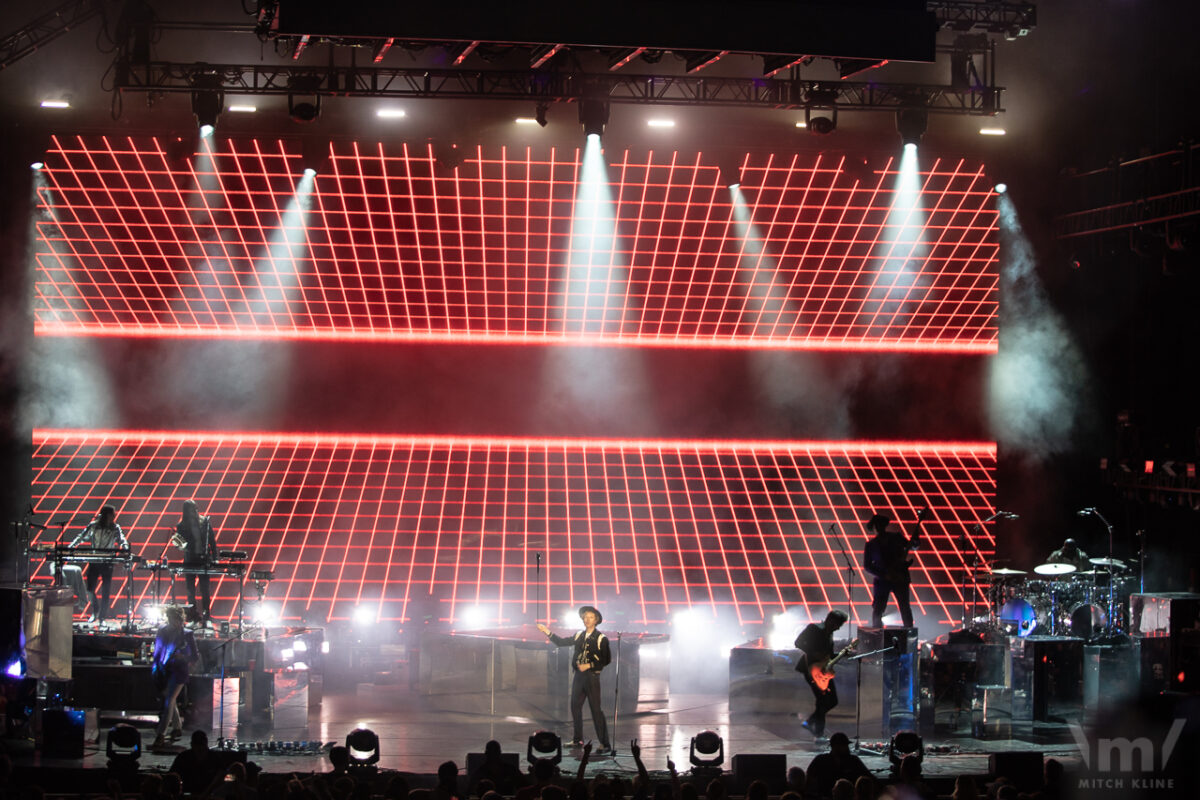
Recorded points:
63,732
770,768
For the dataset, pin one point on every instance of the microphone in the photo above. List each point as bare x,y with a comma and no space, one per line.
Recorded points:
1086,512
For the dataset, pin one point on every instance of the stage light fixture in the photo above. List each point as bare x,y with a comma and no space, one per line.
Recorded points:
313,155
363,744
544,746
37,165
207,105
593,116
304,110
55,104
707,750
242,109
911,123
660,123
992,132
824,100
391,113
1000,188
539,115
905,743
729,165
124,746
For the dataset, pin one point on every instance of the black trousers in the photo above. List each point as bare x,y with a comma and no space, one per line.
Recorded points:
96,573
205,587
879,599
587,685
826,700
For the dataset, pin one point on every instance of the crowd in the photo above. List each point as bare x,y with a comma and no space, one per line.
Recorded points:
837,774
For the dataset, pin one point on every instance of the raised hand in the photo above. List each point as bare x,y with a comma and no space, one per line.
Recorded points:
634,750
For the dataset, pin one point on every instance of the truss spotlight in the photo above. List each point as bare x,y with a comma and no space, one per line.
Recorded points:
36,165
730,167
540,113
911,124
1000,188
593,116
824,100
313,156
544,746
707,750
303,111
207,105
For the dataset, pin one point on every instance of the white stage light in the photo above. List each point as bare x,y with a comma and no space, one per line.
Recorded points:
55,104
363,615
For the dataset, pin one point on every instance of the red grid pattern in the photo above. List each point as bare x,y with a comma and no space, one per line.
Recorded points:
134,242
649,526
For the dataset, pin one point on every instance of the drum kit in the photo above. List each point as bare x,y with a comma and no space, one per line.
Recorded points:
1059,600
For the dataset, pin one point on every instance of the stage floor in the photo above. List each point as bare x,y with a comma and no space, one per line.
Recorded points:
416,736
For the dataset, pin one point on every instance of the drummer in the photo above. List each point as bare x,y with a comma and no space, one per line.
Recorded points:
1070,553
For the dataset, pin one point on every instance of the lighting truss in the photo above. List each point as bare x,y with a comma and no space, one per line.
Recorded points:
994,16
45,29
545,86
649,527
134,242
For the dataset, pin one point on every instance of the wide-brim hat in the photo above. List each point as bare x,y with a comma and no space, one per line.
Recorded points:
878,522
584,609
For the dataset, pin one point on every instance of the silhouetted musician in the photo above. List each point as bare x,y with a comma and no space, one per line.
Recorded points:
102,533
195,536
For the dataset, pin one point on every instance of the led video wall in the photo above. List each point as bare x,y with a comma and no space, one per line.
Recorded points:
646,528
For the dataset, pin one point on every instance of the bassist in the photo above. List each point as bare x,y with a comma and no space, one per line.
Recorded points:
886,558
815,643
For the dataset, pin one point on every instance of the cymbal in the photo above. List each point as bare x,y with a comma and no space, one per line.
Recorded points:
1108,562
1005,571
1054,569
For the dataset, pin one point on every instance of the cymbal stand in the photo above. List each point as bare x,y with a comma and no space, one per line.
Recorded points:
1141,535
1108,626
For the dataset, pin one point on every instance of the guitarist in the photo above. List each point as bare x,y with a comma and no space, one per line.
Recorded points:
886,558
174,651
815,643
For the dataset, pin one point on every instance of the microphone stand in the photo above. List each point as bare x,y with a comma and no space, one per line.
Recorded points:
221,700
612,736
1108,628
537,588
849,573
1141,561
857,659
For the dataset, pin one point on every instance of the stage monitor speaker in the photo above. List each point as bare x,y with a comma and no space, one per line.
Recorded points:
770,768
63,732
475,760
1022,768
11,651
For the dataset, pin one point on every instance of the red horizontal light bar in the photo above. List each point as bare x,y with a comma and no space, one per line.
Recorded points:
649,527
136,242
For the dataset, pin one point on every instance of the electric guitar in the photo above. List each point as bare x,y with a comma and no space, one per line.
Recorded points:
896,570
822,671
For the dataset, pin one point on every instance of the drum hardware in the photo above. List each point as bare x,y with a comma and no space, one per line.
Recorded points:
1055,570
1107,562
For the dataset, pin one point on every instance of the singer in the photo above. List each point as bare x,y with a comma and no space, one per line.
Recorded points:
592,655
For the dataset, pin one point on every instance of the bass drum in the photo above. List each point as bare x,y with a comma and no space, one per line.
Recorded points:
1088,620
1018,617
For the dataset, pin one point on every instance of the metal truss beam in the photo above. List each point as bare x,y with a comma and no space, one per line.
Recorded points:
416,82
45,29
994,16
1131,214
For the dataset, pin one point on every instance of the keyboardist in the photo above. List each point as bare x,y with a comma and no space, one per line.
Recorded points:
103,533
195,536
